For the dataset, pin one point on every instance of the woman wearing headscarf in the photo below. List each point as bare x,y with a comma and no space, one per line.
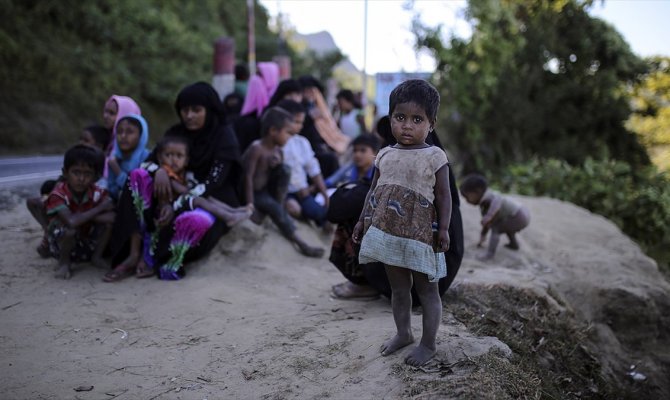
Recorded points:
320,128
214,159
260,89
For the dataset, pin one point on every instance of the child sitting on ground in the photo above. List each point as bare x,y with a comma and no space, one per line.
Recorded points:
80,214
172,155
365,149
94,136
267,177
304,167
500,214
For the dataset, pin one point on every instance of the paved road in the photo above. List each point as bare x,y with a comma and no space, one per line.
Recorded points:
21,177
25,169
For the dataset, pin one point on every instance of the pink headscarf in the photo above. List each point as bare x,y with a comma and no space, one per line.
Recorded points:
269,71
125,106
257,96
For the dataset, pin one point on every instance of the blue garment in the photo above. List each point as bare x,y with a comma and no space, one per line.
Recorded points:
115,182
347,173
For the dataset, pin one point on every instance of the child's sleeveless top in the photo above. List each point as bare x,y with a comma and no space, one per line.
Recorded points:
400,214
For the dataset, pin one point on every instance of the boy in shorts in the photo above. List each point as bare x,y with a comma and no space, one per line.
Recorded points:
80,214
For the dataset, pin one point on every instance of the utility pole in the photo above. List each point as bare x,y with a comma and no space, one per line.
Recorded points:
251,37
364,92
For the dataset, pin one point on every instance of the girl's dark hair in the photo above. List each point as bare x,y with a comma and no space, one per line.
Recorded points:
100,135
274,117
285,87
293,107
308,81
82,154
473,183
349,96
368,140
419,92
160,146
132,120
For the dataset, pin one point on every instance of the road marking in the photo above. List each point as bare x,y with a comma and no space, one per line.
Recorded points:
29,177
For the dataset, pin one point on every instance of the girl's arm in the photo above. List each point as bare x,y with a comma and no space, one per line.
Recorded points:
178,187
360,118
75,220
443,205
114,165
358,229
250,162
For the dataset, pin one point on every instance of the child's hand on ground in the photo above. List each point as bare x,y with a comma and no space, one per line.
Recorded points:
165,216
357,235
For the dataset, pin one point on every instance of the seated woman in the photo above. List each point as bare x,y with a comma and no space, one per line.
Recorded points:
215,162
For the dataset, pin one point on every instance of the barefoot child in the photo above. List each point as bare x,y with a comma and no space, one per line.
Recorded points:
500,214
172,154
408,197
304,166
267,177
95,136
80,213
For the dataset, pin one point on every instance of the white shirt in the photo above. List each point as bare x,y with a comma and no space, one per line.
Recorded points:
298,155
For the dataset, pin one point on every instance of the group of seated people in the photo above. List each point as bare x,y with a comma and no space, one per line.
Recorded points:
152,210
281,154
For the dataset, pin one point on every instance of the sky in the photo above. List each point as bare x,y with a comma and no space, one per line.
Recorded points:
643,23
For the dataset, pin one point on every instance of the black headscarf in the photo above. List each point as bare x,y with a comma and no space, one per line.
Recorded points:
285,87
214,140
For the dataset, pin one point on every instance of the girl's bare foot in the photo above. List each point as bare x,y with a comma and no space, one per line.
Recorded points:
142,270
395,343
123,270
238,216
308,250
419,356
63,272
348,290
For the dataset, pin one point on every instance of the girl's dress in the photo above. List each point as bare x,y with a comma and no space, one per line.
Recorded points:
115,183
400,215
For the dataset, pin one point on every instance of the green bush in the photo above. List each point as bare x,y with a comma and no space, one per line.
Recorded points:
638,201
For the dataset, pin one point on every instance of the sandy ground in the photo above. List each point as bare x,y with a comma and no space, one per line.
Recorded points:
256,320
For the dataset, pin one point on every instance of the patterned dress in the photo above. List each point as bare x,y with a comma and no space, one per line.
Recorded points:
400,218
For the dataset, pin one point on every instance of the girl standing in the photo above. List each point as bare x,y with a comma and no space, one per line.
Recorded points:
409,198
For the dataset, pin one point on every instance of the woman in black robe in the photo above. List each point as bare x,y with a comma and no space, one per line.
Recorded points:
214,159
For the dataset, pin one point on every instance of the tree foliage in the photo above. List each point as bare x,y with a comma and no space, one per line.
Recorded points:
651,111
63,58
536,78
